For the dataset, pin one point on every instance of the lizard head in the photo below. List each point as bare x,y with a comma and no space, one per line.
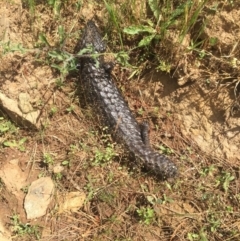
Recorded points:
92,38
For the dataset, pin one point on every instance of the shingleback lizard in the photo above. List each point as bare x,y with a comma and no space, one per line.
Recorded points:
102,93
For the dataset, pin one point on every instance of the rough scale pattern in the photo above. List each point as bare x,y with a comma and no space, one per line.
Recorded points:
103,95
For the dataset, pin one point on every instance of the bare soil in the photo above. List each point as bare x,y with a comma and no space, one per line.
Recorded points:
193,111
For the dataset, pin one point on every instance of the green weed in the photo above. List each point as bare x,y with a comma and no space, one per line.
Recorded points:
65,163
53,111
7,127
163,66
8,130
184,16
146,215
192,9
56,6
224,180
22,229
122,57
213,221
114,18
18,144
70,109
166,150
31,5
207,170
89,188
48,159
201,236
64,62
9,47
149,29
58,176
165,199
103,157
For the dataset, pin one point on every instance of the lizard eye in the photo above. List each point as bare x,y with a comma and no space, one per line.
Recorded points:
78,66
108,66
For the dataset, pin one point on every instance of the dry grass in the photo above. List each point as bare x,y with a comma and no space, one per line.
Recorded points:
124,203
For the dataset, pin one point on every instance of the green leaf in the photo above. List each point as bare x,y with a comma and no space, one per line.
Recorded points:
3,128
132,30
213,41
122,57
65,163
56,55
87,50
43,39
10,143
55,66
61,34
228,179
22,141
146,41
153,4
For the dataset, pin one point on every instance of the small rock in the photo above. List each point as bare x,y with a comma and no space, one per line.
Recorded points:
39,197
24,103
183,80
11,107
71,201
58,168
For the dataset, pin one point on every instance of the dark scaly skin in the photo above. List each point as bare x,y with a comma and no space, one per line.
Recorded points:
103,95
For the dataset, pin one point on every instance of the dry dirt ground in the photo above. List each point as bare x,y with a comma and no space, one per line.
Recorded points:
193,114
